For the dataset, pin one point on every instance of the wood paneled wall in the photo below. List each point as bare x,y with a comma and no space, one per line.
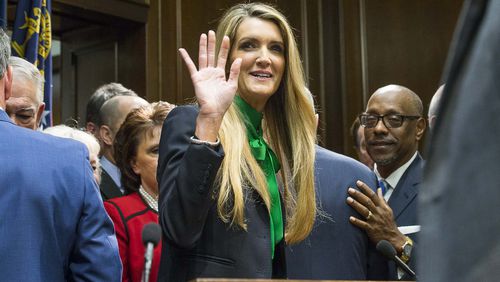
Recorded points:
350,48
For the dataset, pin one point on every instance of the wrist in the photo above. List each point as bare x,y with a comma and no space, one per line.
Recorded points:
399,243
406,249
197,141
207,127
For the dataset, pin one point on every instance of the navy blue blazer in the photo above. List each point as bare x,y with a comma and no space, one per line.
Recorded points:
404,203
196,242
53,225
336,249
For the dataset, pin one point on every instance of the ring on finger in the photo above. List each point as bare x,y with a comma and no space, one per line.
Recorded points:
369,215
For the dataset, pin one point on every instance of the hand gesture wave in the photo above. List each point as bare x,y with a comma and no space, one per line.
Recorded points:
213,92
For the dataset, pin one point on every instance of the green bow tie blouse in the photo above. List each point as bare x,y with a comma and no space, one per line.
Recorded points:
269,164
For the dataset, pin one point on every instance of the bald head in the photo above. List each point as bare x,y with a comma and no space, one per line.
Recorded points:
112,114
393,140
407,98
433,107
114,111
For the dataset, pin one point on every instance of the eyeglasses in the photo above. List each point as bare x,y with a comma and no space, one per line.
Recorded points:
390,121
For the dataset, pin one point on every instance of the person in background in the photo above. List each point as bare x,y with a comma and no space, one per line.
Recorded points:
100,96
433,107
394,125
54,226
25,107
222,211
112,114
358,136
136,154
460,197
86,138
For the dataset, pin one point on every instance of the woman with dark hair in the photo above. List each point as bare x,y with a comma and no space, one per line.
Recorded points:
236,172
136,154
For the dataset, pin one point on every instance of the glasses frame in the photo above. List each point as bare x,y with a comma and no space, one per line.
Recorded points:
382,117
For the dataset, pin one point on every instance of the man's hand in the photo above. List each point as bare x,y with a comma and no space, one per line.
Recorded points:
379,221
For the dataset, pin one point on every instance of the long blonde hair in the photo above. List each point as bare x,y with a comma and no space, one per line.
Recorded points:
290,126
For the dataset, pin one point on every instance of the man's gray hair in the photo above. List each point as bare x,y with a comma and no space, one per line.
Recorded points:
4,51
28,73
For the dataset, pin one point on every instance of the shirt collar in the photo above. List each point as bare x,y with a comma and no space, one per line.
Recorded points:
112,170
396,175
253,119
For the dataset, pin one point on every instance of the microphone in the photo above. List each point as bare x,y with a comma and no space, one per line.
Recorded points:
151,235
389,252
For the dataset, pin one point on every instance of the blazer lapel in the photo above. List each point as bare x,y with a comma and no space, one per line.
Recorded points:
406,189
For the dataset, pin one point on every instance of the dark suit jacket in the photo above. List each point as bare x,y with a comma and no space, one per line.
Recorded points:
336,249
108,187
460,199
403,203
53,226
196,242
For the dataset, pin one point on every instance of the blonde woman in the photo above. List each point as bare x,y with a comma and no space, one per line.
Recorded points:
236,172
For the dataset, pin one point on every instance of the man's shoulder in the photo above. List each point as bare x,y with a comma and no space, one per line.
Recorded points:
325,157
40,149
21,137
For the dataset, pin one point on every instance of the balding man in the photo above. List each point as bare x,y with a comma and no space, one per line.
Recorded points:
100,96
112,114
394,126
25,106
433,107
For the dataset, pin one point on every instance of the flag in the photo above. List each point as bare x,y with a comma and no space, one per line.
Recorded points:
32,40
3,14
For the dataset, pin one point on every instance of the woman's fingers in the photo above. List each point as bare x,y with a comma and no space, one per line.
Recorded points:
211,48
189,63
224,49
234,72
202,53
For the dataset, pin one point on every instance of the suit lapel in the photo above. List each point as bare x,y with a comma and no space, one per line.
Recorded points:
109,189
406,189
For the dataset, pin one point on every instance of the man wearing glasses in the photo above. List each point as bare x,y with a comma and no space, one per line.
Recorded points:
393,125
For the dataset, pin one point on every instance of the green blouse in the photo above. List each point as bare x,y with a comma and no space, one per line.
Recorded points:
268,162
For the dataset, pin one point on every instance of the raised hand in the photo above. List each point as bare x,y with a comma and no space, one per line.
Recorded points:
213,92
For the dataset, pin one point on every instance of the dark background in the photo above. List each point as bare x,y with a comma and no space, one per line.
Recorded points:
349,47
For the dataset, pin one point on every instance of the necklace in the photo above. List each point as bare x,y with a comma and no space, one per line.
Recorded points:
150,200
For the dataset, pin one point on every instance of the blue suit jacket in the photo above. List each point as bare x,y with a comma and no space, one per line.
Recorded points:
53,226
336,249
403,203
